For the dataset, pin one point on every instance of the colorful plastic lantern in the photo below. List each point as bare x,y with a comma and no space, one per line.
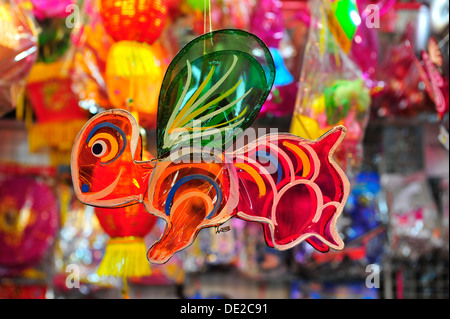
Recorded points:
214,88
134,20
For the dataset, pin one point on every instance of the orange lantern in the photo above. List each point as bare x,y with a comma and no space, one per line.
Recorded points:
134,20
125,254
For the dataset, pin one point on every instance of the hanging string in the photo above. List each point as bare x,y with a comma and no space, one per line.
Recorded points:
125,288
209,13
207,4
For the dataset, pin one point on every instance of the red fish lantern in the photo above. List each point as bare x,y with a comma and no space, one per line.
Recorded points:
29,219
134,20
214,87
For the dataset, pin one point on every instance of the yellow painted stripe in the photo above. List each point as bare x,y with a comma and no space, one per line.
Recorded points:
253,173
303,157
192,99
207,106
203,128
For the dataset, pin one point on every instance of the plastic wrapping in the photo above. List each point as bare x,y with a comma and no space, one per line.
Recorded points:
80,248
398,93
413,215
18,53
91,45
332,90
267,23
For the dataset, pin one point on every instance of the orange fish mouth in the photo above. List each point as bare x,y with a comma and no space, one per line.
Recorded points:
96,198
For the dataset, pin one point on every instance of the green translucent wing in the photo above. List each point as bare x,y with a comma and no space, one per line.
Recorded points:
213,89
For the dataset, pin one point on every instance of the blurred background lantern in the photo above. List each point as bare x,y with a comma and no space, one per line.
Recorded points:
18,52
91,44
134,20
199,4
134,74
134,70
55,106
29,219
43,9
125,254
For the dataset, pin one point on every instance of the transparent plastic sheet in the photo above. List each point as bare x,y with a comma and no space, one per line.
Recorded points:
267,22
399,92
332,90
18,53
79,250
413,215
89,52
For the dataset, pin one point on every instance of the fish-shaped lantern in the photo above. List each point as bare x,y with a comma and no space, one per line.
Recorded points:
212,91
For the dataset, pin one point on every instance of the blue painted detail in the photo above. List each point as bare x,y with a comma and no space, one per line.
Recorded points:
115,127
84,188
186,179
274,162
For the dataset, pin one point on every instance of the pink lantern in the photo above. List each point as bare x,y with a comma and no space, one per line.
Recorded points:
51,8
29,219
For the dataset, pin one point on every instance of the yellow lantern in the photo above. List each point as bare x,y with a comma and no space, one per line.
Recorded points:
134,74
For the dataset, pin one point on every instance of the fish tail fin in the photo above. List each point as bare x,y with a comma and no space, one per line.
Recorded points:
325,234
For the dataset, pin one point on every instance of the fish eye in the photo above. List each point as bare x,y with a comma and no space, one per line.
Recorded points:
99,148
105,145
